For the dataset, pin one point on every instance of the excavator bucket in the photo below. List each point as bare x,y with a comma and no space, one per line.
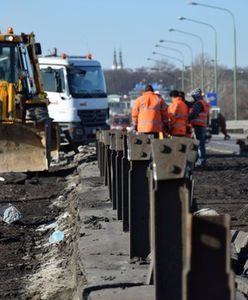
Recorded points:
23,148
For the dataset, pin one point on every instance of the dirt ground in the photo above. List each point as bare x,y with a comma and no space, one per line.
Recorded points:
30,266
222,185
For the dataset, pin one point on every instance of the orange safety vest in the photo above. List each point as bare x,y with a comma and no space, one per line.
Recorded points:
178,117
149,113
202,118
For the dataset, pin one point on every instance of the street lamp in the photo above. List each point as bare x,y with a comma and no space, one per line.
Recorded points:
216,47
235,51
176,50
202,46
192,57
159,62
172,49
174,58
155,60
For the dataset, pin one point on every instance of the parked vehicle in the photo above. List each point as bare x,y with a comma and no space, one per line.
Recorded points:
77,93
120,122
27,142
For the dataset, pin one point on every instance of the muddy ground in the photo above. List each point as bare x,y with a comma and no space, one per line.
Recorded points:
30,266
223,186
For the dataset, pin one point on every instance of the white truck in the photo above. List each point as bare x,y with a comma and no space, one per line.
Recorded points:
77,93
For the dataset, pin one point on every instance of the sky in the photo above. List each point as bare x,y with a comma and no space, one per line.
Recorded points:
134,26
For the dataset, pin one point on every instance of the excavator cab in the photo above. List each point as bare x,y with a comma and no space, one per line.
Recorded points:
28,140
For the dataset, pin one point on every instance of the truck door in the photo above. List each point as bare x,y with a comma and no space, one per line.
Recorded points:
55,87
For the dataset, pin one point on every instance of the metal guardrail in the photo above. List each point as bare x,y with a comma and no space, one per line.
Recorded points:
150,184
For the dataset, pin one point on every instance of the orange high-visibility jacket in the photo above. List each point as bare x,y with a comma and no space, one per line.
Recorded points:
178,117
202,118
149,113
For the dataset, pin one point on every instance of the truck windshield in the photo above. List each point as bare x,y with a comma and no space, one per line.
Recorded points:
86,82
9,62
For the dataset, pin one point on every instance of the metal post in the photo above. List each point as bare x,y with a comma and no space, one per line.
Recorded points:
101,150
192,58
97,147
106,142
210,276
170,206
235,50
118,159
202,55
101,156
216,48
139,154
113,169
109,167
125,167
177,59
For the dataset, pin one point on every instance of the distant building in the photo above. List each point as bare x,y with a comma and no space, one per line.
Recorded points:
120,63
117,65
114,65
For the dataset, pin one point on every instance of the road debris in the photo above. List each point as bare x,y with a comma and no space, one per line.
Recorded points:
10,214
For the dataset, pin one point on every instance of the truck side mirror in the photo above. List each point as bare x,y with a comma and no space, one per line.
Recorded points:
37,47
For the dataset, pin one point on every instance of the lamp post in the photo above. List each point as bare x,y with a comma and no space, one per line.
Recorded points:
157,61
192,57
235,51
202,48
215,46
174,58
176,50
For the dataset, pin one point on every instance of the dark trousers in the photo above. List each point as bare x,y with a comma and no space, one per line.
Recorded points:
200,133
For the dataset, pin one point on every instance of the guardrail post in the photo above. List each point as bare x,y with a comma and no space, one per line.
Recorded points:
125,166
106,142
139,155
210,275
170,206
113,168
119,154
98,147
101,150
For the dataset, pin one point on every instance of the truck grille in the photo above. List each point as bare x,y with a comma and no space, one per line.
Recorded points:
93,117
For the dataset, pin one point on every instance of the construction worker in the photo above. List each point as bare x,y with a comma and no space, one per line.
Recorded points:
165,132
222,123
198,117
178,114
189,129
149,113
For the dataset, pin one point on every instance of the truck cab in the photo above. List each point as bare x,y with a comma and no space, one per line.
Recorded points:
77,93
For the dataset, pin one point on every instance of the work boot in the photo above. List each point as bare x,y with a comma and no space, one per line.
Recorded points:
227,137
200,162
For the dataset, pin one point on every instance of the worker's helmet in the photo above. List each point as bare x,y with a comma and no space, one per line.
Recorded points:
149,88
196,93
181,94
174,93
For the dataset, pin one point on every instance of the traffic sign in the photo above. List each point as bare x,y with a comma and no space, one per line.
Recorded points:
212,98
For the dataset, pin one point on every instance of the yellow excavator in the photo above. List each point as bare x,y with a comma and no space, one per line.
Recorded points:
28,138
